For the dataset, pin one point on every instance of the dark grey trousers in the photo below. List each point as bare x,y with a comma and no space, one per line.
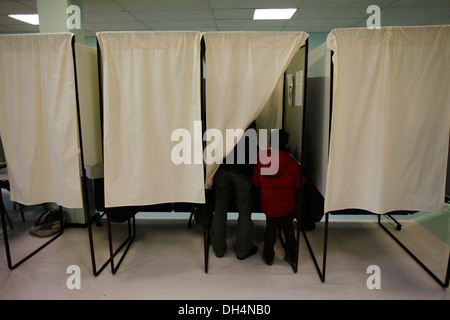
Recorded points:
226,181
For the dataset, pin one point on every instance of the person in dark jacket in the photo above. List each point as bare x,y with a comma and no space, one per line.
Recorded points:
277,191
234,177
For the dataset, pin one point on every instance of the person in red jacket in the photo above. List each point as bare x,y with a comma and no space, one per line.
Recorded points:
277,189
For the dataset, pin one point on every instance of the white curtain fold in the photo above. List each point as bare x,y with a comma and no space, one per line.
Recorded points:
151,88
242,70
38,118
391,119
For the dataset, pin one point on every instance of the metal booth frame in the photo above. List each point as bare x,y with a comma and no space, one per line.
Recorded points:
3,212
131,225
321,272
206,228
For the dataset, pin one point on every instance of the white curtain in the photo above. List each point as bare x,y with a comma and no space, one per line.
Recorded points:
391,118
38,118
271,116
242,70
151,88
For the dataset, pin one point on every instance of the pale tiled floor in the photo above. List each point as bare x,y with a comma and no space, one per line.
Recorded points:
166,262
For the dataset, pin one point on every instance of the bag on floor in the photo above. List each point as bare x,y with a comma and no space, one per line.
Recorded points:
48,223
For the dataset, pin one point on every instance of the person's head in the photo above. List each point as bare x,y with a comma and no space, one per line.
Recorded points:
282,137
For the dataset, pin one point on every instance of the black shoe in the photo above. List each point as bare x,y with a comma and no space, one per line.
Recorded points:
269,262
220,254
252,251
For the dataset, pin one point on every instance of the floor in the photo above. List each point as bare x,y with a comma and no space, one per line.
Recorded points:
166,262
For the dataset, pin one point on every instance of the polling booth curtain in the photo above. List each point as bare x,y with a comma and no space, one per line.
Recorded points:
271,116
242,70
38,118
390,119
152,131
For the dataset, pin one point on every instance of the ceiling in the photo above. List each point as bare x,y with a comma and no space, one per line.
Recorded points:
234,15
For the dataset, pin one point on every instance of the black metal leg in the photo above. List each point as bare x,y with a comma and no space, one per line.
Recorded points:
398,224
91,245
297,248
205,237
7,215
129,240
299,223
444,283
283,244
190,220
12,266
324,262
112,253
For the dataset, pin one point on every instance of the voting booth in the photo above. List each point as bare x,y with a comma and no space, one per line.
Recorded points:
254,76
40,125
163,91
381,145
134,111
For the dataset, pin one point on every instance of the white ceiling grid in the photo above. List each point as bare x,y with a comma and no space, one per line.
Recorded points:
234,15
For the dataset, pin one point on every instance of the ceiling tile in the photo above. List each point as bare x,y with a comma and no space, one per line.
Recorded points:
4,19
251,23
9,7
330,13
179,25
229,4
113,26
173,15
7,29
108,17
428,12
29,3
309,29
233,13
346,3
100,6
441,21
251,28
24,28
202,15
336,23
421,3
405,21
145,5
398,22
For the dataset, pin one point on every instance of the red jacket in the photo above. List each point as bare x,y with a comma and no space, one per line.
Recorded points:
278,189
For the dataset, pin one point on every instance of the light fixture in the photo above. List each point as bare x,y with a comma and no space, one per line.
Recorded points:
274,14
28,18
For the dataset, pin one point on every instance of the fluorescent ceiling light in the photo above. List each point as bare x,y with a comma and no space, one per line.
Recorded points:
273,14
28,18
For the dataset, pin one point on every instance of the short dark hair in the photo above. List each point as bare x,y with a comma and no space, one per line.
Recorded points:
282,137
